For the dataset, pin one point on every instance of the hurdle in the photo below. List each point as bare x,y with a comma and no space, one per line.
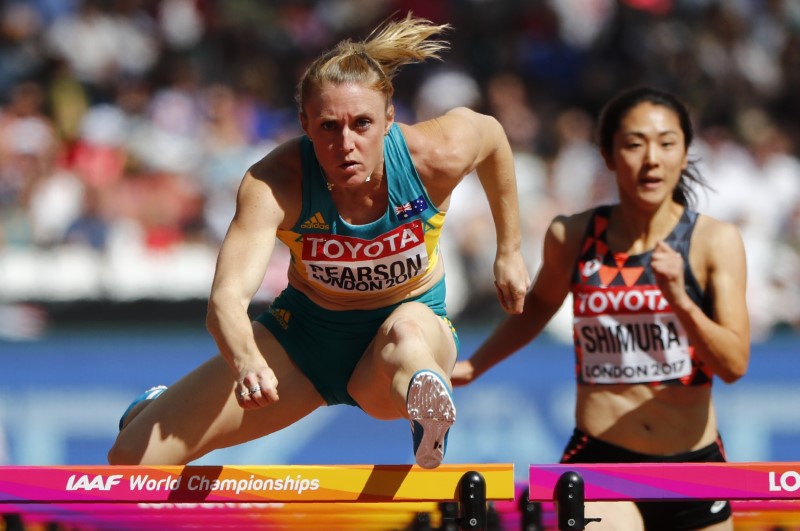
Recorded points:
570,485
75,490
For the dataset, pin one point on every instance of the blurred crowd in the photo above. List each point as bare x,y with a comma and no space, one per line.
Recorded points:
126,126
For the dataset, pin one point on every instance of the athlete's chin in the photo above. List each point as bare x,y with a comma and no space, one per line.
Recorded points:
355,181
651,201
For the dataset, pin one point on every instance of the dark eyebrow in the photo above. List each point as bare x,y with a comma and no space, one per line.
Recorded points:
642,135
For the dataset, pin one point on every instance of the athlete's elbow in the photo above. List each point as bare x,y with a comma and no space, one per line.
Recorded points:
729,378
734,372
212,324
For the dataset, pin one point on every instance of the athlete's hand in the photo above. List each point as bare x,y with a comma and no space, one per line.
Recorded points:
511,281
257,386
668,267
463,373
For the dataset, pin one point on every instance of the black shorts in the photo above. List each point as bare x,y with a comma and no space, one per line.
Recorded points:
657,516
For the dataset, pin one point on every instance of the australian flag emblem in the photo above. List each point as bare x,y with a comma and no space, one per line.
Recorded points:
406,210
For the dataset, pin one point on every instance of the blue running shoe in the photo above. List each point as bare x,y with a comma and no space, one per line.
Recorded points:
150,394
431,411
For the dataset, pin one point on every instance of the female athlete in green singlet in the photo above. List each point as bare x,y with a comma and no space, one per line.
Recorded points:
360,201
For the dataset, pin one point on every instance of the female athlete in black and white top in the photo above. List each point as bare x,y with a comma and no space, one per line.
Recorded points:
659,309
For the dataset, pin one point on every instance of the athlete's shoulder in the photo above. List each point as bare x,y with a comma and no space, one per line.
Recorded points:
563,238
708,229
440,161
275,180
281,162
450,139
570,227
280,169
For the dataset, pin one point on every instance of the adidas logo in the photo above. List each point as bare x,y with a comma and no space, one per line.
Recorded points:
282,316
315,222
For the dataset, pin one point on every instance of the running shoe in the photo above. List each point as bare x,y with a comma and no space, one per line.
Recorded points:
431,412
150,394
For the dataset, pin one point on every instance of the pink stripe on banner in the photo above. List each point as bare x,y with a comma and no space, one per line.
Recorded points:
673,481
235,484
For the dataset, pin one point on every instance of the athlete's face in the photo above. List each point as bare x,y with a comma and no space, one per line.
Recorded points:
649,154
347,123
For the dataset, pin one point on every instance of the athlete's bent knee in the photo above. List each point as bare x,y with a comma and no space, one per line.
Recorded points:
405,329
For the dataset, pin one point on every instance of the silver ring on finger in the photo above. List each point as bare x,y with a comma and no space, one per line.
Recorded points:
243,394
255,389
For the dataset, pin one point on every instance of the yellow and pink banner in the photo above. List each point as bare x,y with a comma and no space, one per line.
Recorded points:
673,481
200,484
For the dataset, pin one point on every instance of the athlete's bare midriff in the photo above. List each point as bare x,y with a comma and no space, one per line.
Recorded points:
366,301
661,420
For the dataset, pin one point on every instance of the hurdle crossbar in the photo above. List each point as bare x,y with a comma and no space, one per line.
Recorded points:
144,496
671,481
285,483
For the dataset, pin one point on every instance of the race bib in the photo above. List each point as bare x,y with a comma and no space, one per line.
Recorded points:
346,264
628,349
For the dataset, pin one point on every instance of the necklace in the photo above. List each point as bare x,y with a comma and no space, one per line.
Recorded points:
329,185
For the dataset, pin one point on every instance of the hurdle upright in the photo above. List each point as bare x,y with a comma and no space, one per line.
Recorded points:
469,486
570,485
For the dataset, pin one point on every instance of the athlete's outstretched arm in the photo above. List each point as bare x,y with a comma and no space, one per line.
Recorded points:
241,266
495,168
469,141
549,290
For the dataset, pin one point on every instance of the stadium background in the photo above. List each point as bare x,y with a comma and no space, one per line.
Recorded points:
126,125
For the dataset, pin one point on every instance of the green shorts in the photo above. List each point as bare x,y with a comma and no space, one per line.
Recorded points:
327,344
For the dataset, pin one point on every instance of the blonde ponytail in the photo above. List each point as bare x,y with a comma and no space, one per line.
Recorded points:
375,61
